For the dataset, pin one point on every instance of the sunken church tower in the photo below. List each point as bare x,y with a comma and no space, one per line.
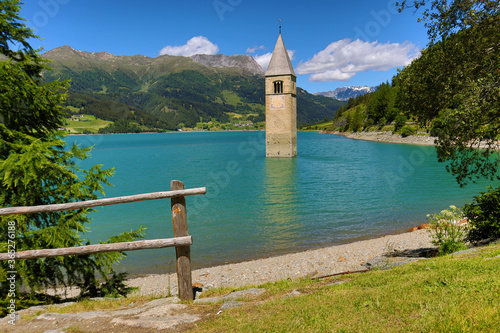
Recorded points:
281,104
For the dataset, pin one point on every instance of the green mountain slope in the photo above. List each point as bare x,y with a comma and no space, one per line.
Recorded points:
162,92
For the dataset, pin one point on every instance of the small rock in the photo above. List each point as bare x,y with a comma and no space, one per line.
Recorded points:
294,293
376,262
337,283
464,251
162,301
413,229
231,304
207,300
384,263
232,296
46,316
246,292
341,259
62,305
105,298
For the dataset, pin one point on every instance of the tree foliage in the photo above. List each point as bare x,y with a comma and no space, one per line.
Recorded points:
26,104
457,81
356,122
13,31
381,103
36,169
444,18
484,216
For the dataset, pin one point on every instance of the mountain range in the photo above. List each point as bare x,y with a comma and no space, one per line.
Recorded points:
165,91
344,93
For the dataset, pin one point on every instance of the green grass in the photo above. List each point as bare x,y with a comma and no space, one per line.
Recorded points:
104,90
322,126
445,294
73,109
88,123
231,97
235,116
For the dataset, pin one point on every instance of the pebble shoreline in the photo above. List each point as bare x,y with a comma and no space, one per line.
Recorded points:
389,137
313,263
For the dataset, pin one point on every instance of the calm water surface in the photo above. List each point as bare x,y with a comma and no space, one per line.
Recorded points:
336,190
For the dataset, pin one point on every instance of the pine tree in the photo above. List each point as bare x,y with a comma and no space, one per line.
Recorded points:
35,169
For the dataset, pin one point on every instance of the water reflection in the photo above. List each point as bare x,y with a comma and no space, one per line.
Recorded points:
280,207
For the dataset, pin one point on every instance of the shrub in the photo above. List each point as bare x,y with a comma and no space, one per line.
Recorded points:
381,123
437,127
484,216
400,121
446,233
407,131
369,122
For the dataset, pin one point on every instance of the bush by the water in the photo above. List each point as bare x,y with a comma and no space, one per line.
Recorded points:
407,131
446,232
484,216
399,122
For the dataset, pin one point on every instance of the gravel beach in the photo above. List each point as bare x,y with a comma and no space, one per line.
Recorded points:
314,263
389,137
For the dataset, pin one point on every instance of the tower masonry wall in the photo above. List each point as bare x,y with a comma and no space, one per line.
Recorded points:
281,118
289,84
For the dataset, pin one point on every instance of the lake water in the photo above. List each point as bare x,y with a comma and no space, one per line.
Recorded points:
336,190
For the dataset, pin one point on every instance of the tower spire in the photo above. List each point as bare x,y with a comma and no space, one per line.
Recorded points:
280,61
281,104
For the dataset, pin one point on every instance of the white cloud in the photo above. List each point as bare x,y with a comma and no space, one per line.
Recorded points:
196,45
343,59
264,59
255,49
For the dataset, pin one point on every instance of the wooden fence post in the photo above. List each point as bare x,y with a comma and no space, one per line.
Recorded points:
183,253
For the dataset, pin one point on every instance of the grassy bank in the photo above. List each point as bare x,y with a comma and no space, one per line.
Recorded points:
456,293
446,294
85,124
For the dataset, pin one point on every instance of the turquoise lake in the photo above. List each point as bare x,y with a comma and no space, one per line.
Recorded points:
337,190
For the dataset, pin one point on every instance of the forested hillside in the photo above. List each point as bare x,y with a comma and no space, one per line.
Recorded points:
163,92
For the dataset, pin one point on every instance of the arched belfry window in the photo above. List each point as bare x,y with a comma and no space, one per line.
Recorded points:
278,87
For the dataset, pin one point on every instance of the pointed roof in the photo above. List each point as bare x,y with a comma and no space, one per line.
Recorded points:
280,61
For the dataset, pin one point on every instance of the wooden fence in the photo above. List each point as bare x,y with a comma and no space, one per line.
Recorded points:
181,241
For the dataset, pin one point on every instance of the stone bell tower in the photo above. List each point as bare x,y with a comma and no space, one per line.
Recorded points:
281,104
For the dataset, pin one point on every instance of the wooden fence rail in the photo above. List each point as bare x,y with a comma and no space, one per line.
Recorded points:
101,202
181,241
101,248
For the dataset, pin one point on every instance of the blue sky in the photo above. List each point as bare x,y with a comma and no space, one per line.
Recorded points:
333,43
